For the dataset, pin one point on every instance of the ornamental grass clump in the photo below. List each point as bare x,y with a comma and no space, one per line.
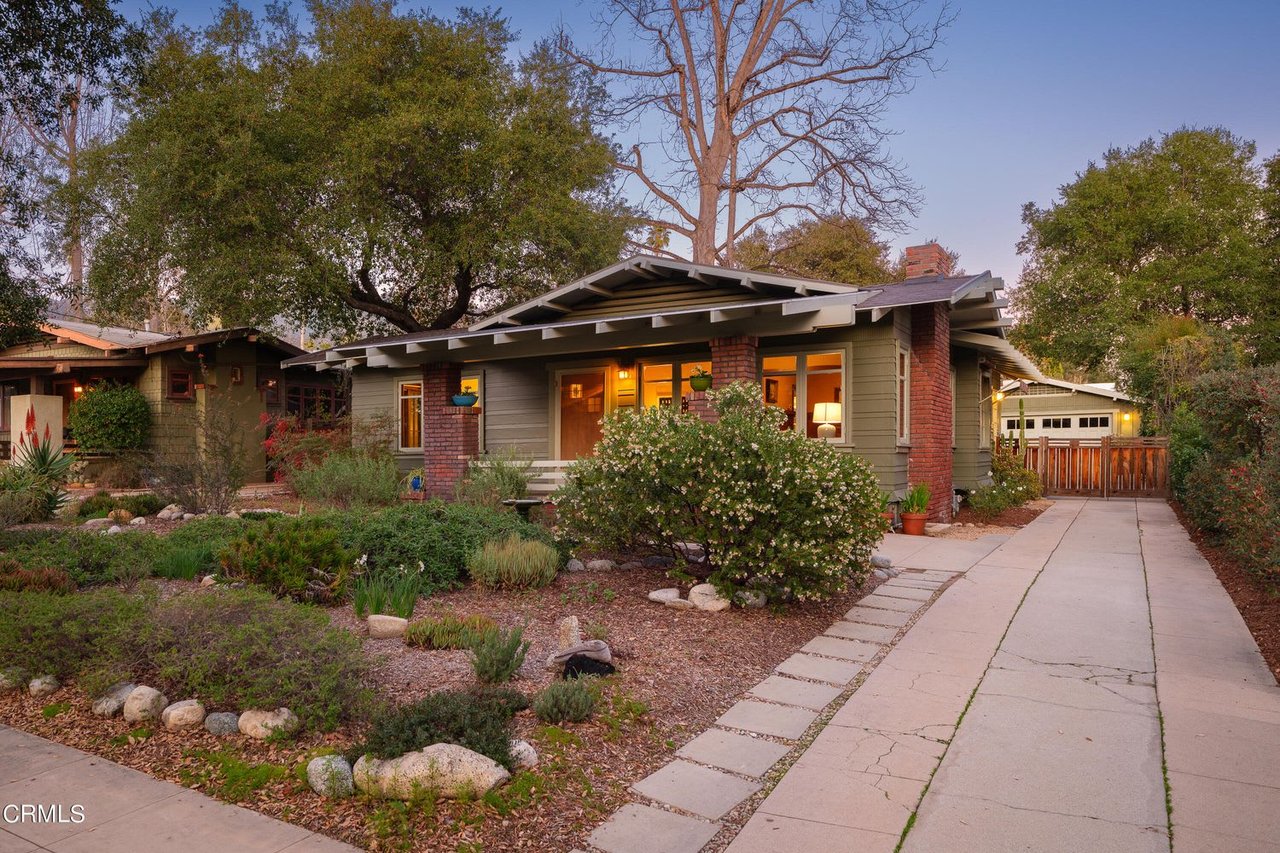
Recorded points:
449,632
514,563
774,511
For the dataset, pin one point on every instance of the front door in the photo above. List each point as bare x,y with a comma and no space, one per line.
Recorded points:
581,408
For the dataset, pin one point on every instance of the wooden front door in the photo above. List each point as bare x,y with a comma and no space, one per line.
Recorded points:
581,408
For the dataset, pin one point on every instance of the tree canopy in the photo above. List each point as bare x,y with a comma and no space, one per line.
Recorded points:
387,170
842,249
1170,227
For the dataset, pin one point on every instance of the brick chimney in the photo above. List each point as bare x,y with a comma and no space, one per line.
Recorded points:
927,261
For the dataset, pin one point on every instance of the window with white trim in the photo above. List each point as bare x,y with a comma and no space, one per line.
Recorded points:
810,389
1095,421
410,415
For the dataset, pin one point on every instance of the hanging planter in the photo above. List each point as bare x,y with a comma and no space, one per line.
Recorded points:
466,399
700,380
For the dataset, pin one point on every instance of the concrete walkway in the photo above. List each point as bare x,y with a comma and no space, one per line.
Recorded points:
124,810
1037,704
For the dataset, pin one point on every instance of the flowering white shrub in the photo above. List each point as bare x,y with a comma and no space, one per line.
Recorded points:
776,512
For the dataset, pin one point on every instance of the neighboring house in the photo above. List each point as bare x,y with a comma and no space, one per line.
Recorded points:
907,369
180,375
1058,409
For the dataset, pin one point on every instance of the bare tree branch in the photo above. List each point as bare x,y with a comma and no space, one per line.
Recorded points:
775,106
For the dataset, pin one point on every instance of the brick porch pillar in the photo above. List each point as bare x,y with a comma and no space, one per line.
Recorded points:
931,406
733,359
450,434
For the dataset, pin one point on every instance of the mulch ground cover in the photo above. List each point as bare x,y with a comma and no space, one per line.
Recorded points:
1257,603
678,671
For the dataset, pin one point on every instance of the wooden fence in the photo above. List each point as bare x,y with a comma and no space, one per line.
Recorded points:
1100,467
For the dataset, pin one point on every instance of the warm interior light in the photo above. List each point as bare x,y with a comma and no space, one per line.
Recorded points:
827,415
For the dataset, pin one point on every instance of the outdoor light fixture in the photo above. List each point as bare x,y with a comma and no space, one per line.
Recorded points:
78,389
827,416
1128,417
623,373
999,395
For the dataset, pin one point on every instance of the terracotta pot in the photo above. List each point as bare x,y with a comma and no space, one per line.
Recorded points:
887,515
913,523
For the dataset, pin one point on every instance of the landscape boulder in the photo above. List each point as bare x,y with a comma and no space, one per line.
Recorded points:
575,565
880,561
171,512
444,769
601,565
138,522
12,679
96,523
222,723
680,604
112,702
750,599
330,776
524,755
144,704
261,725
657,561
594,649
187,714
662,596
44,685
705,597
386,627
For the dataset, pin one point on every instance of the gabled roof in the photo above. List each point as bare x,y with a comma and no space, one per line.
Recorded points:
603,283
101,337
1099,390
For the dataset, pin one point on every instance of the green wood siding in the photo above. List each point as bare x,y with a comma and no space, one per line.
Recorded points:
517,407
52,350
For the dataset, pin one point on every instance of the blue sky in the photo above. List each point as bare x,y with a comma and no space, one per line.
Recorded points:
1031,91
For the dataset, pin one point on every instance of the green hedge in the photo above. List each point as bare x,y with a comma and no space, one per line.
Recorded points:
110,418
1225,464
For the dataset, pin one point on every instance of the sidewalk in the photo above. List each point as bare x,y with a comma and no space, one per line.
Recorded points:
124,810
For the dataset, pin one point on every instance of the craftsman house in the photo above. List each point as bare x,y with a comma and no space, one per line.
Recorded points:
1053,408
901,373
179,375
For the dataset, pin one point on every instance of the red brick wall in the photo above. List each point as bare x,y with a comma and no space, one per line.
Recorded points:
733,359
450,434
931,409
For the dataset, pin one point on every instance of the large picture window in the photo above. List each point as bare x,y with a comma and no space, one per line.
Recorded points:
810,389
657,382
410,415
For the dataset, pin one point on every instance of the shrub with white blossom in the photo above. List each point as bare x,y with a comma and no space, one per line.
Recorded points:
774,511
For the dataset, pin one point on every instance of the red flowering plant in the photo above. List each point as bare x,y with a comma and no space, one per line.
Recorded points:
290,446
32,487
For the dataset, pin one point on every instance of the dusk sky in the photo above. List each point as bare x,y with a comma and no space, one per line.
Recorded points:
1031,91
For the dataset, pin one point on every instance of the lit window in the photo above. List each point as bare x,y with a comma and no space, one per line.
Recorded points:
799,385
410,415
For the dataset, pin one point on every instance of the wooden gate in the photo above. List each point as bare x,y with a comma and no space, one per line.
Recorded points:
1101,467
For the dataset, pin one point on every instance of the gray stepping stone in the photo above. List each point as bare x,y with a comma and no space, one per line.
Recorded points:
876,616
763,718
694,788
840,648
895,591
884,602
643,829
819,669
912,583
862,631
802,694
751,756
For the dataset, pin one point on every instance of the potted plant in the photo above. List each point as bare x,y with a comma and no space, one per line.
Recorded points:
700,379
414,481
465,399
886,509
914,509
